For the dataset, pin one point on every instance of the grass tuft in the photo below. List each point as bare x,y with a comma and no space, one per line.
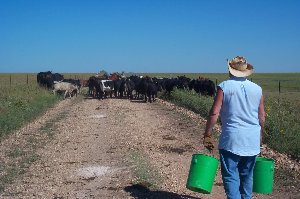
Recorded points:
144,173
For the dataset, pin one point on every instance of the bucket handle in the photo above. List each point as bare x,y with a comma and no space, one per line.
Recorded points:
211,153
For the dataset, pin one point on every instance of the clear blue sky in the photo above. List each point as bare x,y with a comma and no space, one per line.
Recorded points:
148,35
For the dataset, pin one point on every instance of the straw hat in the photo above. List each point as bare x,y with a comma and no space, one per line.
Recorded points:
239,67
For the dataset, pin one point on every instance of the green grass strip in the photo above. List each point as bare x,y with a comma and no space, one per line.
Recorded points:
282,118
21,105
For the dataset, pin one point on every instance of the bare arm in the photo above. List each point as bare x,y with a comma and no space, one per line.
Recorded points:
261,117
214,113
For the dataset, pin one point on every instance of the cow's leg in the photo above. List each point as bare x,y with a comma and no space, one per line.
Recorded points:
70,92
101,94
94,92
66,92
150,98
90,91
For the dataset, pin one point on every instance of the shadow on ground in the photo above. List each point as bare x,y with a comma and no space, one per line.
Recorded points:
137,101
141,192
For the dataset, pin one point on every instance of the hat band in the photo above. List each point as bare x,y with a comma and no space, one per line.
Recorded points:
242,67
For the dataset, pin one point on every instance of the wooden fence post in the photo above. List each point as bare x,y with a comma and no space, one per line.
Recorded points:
27,79
279,87
9,79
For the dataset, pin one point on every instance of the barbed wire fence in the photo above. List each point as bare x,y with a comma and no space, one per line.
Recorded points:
279,86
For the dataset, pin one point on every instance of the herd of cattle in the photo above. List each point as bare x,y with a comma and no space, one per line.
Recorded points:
119,86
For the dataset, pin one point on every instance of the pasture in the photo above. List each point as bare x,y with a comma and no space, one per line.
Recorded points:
22,99
289,82
276,85
271,83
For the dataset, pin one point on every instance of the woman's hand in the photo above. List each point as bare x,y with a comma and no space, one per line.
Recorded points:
208,142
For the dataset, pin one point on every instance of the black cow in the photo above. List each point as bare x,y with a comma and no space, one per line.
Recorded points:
117,85
142,88
147,88
183,82
46,79
95,87
57,77
130,88
210,88
170,84
151,91
120,87
203,86
136,82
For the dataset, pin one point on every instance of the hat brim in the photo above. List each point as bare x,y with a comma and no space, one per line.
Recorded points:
238,73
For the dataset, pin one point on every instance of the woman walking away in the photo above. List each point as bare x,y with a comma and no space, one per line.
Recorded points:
240,104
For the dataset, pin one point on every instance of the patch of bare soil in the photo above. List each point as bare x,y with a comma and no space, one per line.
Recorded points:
111,148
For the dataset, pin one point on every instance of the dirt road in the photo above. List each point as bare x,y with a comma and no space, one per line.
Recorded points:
110,148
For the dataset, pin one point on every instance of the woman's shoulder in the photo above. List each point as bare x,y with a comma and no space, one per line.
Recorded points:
253,84
228,81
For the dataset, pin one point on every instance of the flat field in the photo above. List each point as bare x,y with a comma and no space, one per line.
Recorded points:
279,85
272,83
289,82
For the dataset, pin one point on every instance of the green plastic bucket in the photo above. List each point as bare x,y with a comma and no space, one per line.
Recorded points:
263,175
202,173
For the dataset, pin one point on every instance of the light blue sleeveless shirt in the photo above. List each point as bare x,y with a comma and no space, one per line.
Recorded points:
239,116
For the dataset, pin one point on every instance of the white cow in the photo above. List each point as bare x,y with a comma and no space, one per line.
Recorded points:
67,87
